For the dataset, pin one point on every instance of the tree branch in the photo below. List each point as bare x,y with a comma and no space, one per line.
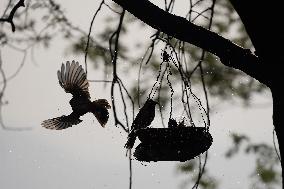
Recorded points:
12,13
271,34
229,53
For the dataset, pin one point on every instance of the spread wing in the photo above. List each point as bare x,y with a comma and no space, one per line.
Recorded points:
73,79
62,122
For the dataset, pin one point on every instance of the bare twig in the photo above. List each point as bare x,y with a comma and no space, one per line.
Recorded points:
4,83
12,13
114,55
201,171
130,170
229,53
90,30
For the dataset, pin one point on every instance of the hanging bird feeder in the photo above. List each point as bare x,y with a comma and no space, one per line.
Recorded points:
172,144
178,142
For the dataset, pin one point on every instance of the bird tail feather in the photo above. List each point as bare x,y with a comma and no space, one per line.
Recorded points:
131,140
99,109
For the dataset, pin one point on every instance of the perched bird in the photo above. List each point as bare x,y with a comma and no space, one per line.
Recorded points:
142,120
72,78
181,124
172,123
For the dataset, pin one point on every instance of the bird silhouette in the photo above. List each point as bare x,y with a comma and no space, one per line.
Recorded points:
142,120
73,79
172,123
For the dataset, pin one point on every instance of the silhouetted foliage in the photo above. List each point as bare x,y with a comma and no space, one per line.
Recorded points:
190,168
266,173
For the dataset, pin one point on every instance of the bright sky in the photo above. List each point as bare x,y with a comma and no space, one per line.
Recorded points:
87,155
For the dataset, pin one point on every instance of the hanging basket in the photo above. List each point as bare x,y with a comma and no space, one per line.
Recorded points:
172,144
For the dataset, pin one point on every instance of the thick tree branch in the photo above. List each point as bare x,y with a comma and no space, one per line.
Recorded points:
12,13
229,53
263,25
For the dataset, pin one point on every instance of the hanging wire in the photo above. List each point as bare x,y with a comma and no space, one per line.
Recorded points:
158,80
172,90
151,49
187,91
159,98
187,86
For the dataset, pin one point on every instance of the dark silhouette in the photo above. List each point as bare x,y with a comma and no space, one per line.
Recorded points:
73,79
262,64
172,123
181,124
143,119
172,144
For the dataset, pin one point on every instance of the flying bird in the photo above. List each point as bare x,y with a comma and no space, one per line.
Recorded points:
142,120
73,79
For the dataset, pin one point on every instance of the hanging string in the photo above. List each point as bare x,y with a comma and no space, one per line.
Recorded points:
187,87
157,80
164,59
171,88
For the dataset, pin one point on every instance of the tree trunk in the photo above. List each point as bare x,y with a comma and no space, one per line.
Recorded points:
278,120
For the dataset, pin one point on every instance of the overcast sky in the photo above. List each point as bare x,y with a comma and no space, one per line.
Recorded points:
87,155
